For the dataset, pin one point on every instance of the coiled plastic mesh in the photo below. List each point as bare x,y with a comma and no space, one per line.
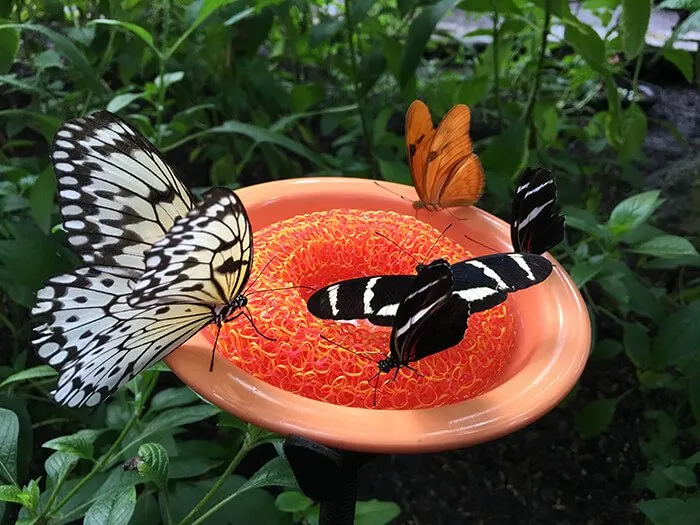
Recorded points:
321,248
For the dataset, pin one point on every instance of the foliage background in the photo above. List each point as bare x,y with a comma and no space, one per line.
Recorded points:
241,92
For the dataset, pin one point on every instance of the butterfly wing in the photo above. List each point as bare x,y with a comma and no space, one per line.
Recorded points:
97,341
373,298
419,135
484,282
443,329
536,223
116,193
205,258
430,291
453,174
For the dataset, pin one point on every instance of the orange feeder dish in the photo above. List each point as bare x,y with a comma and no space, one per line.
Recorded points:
516,362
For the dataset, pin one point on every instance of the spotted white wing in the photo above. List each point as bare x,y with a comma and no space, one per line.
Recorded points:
205,258
116,193
97,341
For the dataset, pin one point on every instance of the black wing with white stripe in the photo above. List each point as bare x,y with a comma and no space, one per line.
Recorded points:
116,193
536,222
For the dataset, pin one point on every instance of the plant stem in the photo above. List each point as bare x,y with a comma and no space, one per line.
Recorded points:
635,77
496,61
359,99
166,504
161,100
527,118
245,448
97,467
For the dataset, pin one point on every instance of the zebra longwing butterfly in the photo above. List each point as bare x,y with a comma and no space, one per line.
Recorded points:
159,266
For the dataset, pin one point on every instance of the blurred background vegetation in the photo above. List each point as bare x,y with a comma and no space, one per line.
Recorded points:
240,92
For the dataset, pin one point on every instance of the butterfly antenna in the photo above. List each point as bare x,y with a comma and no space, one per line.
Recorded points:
249,316
359,354
213,350
394,192
397,245
259,274
482,244
436,241
280,289
453,215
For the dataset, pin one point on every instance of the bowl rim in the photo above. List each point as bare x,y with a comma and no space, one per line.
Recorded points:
547,375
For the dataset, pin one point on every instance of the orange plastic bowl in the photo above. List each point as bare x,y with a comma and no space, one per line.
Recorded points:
552,341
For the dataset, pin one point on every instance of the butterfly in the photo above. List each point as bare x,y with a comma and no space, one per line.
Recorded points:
426,315
444,168
159,266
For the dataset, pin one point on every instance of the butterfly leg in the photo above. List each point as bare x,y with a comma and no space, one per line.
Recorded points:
213,350
248,316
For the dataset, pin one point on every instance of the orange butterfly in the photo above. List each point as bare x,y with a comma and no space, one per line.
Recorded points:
444,168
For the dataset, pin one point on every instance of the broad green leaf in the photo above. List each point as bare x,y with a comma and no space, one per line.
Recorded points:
588,44
359,10
418,36
633,211
146,511
667,511
666,247
173,397
9,45
169,79
634,131
584,271
135,29
505,156
37,372
324,32
9,434
637,345
473,91
694,395
395,171
190,467
635,20
58,465
79,444
41,199
67,49
275,472
245,13
580,219
690,5
22,85
375,512
121,101
176,417
606,349
153,464
292,501
206,9
679,336
681,475
114,509
12,494
682,60
558,8
595,417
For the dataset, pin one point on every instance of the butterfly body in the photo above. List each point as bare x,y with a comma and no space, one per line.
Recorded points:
444,169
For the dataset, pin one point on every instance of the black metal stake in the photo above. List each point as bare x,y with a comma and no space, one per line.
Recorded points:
326,475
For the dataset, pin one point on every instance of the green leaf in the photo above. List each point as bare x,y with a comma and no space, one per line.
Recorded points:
375,512
41,199
395,171
37,372
359,10
190,467
634,131
79,444
292,501
9,45
245,13
635,21
588,44
135,29
9,434
505,156
682,60
606,349
679,336
582,272
176,417
694,395
12,494
67,49
666,247
595,417
681,475
57,466
114,509
637,345
324,32
418,35
206,9
12,80
275,472
633,211
154,464
173,397
690,5
121,101
169,79
473,91
668,511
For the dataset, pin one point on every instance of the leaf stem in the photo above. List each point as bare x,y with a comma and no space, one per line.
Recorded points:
496,61
166,504
245,448
527,118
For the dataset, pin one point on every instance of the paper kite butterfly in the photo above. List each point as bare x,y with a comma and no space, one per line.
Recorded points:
158,265
444,168
429,312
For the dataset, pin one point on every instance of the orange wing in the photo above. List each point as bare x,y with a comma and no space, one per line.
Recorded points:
453,173
419,135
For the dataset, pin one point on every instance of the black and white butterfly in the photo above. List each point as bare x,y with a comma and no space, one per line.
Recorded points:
428,316
159,266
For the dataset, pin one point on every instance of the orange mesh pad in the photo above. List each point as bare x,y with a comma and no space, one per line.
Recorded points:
321,248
